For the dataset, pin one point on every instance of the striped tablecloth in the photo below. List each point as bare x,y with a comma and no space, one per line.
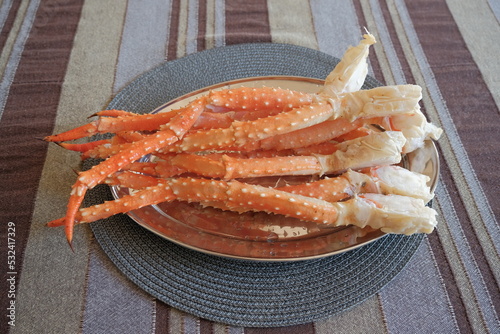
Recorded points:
62,61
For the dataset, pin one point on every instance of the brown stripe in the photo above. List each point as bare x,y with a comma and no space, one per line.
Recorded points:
374,63
9,22
471,105
174,30
24,119
206,326
202,25
162,317
247,22
297,329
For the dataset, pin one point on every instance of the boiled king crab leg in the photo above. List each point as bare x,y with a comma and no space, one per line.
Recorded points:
266,100
375,210
169,133
383,148
357,109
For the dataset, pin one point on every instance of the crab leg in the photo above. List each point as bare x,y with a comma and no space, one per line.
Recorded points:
256,99
169,133
390,213
132,180
239,133
312,135
202,190
135,122
380,179
160,168
264,99
85,147
355,109
113,113
376,149
350,74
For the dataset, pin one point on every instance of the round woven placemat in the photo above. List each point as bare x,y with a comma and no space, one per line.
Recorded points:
232,291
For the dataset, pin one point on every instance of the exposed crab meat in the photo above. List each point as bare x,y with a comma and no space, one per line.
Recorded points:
400,181
350,74
416,130
389,213
380,101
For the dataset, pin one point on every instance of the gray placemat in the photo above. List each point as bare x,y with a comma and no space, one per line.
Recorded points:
232,291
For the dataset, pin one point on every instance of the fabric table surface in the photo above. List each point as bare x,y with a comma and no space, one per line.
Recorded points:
62,61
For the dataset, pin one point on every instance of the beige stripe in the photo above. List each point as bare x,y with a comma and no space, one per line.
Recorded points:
460,274
220,23
182,32
481,31
175,322
285,30
87,87
368,315
9,43
447,149
378,47
210,26
220,328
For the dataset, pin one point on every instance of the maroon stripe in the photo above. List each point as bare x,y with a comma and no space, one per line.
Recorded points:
470,104
9,22
374,63
202,25
162,318
247,22
174,30
297,329
206,326
29,113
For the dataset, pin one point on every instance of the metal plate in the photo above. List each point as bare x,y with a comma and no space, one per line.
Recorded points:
261,236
